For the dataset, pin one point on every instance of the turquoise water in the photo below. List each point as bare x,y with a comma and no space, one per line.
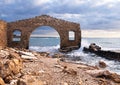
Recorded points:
78,56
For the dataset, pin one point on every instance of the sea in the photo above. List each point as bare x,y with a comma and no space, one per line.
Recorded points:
52,44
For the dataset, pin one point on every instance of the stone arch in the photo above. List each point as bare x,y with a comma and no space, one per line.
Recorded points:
43,29
27,26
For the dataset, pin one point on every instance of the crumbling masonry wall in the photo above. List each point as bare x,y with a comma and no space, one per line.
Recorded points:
27,26
3,34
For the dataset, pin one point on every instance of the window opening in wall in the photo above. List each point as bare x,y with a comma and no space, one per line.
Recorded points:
16,35
71,35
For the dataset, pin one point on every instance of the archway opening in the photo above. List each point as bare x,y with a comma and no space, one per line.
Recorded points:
16,36
44,39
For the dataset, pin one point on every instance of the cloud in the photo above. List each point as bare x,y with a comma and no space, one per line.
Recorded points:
91,14
101,33
6,2
41,2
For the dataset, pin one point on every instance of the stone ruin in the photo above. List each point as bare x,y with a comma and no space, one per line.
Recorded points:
27,26
3,32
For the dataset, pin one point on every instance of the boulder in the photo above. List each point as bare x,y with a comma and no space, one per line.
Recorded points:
94,47
1,81
102,64
105,74
9,68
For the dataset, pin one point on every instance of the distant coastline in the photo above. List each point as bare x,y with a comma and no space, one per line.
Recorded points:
43,37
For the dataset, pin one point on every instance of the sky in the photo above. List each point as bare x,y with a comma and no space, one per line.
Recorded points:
97,18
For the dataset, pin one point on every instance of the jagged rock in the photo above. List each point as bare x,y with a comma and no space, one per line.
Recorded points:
108,54
102,64
29,80
8,79
13,82
105,74
21,82
1,81
14,65
94,47
10,68
3,54
14,55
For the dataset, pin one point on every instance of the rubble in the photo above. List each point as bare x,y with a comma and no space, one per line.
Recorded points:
105,74
48,71
1,81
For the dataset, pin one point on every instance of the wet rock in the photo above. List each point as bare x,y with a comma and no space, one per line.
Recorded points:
1,81
102,64
94,47
108,54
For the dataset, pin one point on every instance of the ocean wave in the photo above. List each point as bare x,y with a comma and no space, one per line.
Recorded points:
79,56
51,49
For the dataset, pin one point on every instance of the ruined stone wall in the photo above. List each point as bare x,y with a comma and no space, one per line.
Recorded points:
3,34
27,26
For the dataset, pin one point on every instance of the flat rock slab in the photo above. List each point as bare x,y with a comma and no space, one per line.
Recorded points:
28,57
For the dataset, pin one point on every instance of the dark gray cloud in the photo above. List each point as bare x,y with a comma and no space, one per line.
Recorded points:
91,14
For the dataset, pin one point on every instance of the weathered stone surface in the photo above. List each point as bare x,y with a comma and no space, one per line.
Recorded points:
3,34
14,55
27,26
29,80
1,81
105,74
8,68
102,64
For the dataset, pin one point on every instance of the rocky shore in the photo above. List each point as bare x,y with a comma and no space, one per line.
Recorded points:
24,67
